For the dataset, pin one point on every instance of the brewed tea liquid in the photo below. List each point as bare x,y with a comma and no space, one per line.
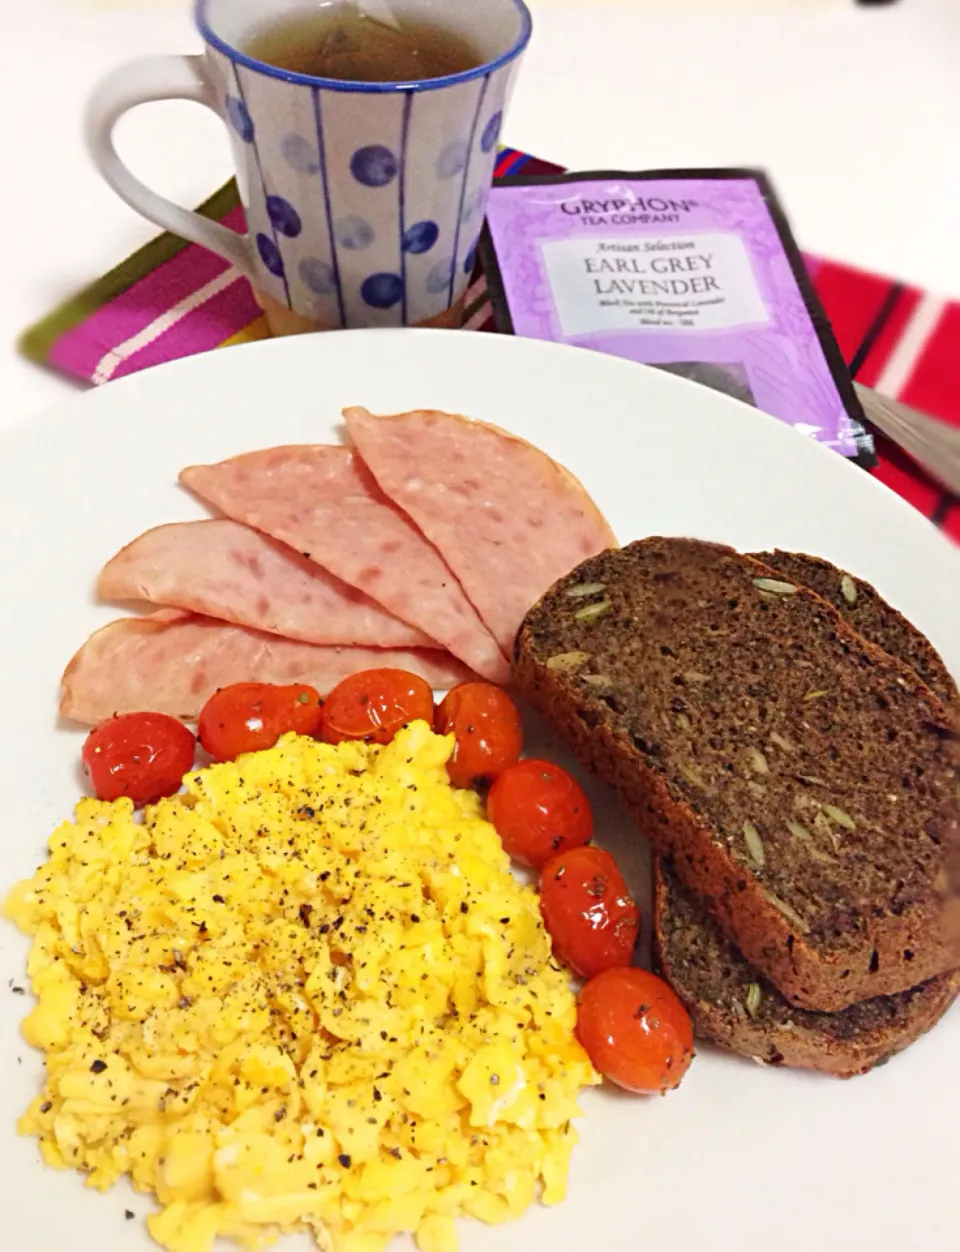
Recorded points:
339,41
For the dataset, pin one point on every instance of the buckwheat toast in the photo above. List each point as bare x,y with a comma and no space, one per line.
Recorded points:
869,614
734,1006
802,780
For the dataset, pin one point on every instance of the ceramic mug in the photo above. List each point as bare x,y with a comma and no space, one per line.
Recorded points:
364,201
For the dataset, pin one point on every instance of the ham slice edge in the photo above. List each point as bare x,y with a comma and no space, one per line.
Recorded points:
506,518
173,662
322,501
223,569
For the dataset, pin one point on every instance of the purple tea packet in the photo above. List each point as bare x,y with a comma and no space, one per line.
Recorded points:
695,272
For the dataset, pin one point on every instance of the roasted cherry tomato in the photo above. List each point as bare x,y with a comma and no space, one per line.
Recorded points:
374,705
588,911
539,810
248,717
488,731
140,755
635,1030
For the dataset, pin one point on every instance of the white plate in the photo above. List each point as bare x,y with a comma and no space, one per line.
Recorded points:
740,1158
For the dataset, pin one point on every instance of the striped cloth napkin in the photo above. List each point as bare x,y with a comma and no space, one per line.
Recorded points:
172,299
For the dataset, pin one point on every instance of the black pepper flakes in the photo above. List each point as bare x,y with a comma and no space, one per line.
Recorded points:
344,1160
129,1214
98,1067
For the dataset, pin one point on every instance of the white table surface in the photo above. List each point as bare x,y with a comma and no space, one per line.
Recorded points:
854,112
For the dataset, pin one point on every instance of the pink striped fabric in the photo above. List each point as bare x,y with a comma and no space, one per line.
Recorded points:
79,351
201,330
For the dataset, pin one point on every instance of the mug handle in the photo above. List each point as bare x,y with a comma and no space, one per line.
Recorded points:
141,82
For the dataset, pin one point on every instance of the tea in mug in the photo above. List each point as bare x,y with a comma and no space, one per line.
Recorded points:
339,41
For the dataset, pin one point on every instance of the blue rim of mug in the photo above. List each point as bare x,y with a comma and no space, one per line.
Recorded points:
337,84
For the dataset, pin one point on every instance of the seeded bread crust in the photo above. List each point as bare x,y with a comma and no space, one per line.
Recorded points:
869,614
736,1008
872,921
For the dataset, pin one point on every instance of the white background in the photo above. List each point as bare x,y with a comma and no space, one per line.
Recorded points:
854,112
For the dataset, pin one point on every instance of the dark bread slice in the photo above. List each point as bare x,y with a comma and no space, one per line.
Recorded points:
880,623
734,1006
869,614
722,710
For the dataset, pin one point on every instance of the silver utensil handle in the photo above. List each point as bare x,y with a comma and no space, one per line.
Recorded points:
932,444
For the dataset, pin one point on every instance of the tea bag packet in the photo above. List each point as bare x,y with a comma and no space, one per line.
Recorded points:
359,39
694,272
367,41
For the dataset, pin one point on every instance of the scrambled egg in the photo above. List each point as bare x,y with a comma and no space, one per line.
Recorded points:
307,993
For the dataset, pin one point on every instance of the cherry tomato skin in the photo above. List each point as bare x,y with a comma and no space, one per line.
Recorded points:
635,1030
249,717
588,911
140,755
488,731
375,704
539,810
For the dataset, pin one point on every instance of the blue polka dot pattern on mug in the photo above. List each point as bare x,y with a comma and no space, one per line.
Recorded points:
300,154
420,237
240,118
374,166
363,208
382,291
439,278
270,255
318,276
473,204
283,216
491,132
354,233
452,160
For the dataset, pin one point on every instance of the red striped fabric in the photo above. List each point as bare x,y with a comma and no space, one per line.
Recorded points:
933,385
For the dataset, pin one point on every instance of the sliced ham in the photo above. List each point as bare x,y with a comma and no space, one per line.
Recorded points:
224,569
507,519
171,663
322,502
